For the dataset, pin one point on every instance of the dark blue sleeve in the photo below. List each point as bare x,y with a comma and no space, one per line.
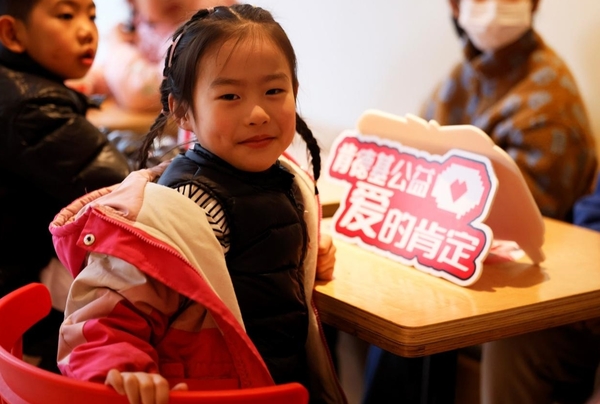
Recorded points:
586,211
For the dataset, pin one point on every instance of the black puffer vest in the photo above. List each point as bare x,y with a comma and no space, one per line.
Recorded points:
268,244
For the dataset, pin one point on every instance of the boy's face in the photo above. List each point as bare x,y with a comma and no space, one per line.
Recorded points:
61,35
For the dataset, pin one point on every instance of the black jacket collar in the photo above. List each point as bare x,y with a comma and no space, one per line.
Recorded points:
24,63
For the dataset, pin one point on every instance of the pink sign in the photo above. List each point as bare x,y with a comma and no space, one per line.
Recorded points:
420,209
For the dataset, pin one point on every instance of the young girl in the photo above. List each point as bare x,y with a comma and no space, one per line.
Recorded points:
205,279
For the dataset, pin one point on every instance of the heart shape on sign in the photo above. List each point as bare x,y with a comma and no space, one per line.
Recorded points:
458,189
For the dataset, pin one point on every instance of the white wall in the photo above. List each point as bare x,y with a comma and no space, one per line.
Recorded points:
388,54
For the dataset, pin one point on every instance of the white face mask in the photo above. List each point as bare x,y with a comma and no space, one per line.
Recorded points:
494,24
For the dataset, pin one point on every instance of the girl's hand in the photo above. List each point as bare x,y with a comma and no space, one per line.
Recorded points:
325,258
141,387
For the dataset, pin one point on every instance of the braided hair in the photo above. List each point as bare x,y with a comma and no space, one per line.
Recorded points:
190,43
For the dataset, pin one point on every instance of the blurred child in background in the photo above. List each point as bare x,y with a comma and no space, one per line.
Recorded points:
132,69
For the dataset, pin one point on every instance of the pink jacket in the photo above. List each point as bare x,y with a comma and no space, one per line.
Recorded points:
152,292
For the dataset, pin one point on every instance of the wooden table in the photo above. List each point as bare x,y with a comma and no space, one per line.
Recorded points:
113,117
329,195
411,313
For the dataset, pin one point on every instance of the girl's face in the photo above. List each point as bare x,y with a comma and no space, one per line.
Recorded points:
244,103
61,36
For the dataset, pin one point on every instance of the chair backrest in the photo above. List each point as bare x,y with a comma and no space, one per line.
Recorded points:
22,383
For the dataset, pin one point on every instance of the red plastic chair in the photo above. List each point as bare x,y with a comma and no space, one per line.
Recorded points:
22,383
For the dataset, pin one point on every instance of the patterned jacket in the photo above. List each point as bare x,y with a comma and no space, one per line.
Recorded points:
525,98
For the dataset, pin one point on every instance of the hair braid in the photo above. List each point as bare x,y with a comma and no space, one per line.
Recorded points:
166,87
312,145
156,130
158,127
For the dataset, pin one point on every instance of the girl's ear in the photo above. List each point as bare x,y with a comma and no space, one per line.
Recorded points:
9,27
182,120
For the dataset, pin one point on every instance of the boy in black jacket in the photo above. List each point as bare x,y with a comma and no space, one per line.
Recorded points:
50,153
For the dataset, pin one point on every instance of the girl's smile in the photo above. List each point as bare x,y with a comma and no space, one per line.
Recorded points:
258,142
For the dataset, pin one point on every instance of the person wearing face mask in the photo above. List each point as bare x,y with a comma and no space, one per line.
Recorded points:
515,88
492,25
